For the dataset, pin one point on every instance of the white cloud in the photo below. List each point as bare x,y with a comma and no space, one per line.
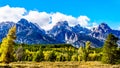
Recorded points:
118,28
92,25
14,14
41,18
83,21
56,17
8,13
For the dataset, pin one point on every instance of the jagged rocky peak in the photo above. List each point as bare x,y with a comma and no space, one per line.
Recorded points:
6,25
25,24
103,27
79,29
23,21
101,31
62,23
77,26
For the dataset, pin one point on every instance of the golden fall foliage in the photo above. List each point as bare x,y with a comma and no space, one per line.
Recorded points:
7,46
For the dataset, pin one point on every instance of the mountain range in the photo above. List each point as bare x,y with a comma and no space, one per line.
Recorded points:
61,33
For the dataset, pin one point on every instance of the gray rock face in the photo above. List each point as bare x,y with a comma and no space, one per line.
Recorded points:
31,33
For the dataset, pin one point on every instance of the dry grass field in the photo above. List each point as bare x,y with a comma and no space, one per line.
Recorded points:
67,64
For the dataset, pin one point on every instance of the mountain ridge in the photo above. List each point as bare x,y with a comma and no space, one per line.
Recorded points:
31,33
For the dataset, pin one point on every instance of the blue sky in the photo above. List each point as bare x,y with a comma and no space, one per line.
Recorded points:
97,10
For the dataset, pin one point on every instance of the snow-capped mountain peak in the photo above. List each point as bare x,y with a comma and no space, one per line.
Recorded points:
31,33
103,27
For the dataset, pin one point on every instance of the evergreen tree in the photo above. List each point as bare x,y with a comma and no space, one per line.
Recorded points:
7,46
109,49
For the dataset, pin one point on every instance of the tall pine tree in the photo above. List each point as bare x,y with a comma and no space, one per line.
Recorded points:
7,46
109,49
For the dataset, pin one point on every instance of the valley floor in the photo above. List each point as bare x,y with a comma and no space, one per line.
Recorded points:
67,64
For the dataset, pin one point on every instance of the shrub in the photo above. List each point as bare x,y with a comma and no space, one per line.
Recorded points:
74,57
38,56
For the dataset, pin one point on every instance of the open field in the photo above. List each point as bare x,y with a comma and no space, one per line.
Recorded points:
67,64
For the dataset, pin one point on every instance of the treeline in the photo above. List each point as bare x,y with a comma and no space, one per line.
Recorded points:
52,52
56,52
9,51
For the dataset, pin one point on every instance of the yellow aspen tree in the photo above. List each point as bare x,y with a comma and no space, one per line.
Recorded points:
7,46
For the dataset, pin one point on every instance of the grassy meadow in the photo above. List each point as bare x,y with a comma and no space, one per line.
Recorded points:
59,48
66,64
